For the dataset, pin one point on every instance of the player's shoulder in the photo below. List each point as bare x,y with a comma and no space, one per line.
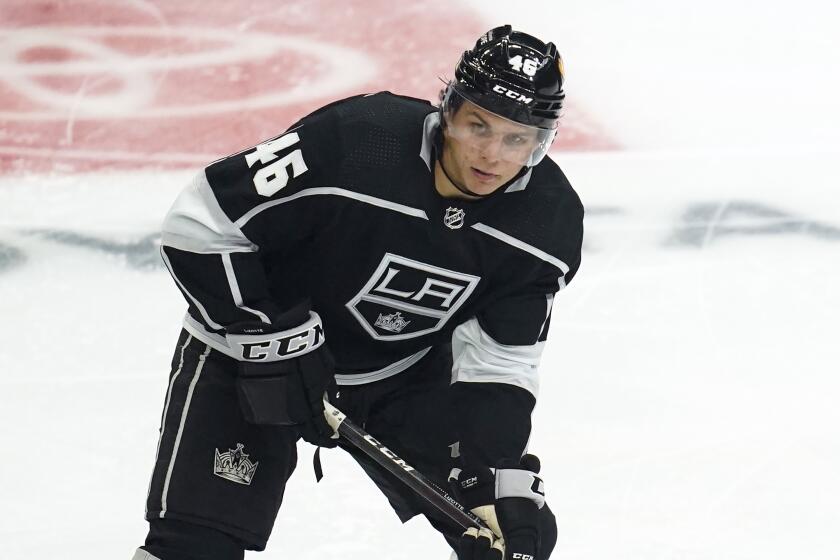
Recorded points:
549,187
547,196
388,102
378,130
384,109
375,140
336,121
545,213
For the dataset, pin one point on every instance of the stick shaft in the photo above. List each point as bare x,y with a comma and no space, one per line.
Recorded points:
408,475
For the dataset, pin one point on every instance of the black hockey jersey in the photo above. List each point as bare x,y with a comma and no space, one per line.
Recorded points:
342,210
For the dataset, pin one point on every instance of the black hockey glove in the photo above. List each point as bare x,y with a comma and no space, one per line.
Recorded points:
480,545
509,502
284,370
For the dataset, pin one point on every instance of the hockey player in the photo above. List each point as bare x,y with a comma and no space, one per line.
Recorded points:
400,258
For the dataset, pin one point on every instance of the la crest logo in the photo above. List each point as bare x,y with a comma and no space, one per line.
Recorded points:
405,298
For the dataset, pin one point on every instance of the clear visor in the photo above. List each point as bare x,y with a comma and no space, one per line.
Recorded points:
494,136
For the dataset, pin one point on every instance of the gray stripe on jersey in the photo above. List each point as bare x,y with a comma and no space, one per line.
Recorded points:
166,409
237,294
184,413
477,358
197,303
215,341
430,124
521,183
384,373
196,223
549,300
540,254
335,191
141,554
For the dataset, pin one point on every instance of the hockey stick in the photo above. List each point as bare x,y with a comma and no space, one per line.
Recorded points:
421,485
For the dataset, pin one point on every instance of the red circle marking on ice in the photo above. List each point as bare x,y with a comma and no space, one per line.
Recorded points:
156,85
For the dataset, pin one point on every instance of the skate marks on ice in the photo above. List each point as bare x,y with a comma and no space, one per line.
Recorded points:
704,222
141,253
699,225
10,257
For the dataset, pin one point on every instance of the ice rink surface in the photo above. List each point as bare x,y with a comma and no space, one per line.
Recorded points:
689,405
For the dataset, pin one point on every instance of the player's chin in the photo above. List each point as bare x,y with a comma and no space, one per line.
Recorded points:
484,189
484,184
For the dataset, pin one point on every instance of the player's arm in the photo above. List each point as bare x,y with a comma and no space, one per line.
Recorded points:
496,354
495,386
214,243
496,357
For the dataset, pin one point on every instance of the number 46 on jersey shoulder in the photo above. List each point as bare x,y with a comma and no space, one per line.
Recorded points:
275,173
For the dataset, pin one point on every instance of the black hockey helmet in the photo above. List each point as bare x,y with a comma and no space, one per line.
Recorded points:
513,75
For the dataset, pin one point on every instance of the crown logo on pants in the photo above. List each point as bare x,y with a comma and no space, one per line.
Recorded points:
234,465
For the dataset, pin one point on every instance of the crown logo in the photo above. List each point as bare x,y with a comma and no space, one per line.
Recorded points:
393,322
234,465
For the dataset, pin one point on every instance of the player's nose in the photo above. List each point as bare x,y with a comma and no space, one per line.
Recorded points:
491,150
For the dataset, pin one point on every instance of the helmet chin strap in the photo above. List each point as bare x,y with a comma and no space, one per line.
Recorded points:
461,188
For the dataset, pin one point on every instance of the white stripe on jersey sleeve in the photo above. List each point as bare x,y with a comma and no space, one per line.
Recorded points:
549,300
201,309
333,191
477,358
237,294
197,224
510,240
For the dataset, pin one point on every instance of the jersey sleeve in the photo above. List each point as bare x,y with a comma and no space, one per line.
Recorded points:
217,233
495,380
496,357
503,343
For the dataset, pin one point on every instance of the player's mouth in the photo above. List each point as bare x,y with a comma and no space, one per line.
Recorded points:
482,176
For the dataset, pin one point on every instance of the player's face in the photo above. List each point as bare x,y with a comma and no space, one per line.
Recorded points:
483,151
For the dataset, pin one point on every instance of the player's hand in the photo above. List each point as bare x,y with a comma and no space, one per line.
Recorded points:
284,370
519,497
481,544
508,502
475,489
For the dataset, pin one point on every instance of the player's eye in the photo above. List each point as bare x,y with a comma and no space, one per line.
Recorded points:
515,140
478,127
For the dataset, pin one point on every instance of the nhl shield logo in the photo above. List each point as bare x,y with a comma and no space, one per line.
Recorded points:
405,298
454,218
234,465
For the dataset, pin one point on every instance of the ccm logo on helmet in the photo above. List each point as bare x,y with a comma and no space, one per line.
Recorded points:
512,94
519,555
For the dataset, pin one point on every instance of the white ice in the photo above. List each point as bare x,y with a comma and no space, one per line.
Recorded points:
689,407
